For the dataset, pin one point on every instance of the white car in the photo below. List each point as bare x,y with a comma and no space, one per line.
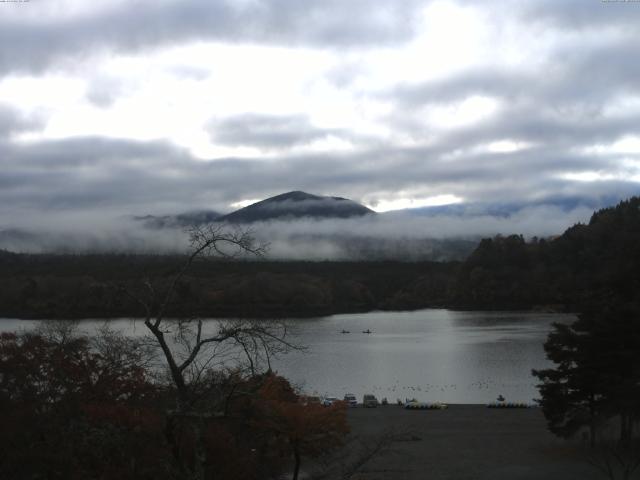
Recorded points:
328,401
351,400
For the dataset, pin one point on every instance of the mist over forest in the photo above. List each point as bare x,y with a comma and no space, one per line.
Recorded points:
394,235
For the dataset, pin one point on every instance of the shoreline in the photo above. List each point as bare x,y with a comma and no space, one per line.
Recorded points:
290,315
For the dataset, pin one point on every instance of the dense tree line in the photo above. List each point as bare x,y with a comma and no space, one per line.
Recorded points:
599,260
67,286
596,260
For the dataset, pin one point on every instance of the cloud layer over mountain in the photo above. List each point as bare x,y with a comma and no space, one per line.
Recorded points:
161,107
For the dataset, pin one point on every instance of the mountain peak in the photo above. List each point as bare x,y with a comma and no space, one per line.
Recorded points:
295,195
297,204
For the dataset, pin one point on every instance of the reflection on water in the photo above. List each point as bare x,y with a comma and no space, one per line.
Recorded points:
432,355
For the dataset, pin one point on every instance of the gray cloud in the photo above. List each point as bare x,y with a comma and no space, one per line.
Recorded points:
579,15
12,121
119,177
267,131
555,112
79,194
568,15
582,77
104,90
33,43
556,105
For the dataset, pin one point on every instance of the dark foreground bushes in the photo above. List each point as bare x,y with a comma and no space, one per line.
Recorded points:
73,407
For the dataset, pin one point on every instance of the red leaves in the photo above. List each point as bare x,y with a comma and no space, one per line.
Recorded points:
43,373
68,411
311,429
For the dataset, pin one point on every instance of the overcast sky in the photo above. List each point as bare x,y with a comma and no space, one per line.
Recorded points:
162,106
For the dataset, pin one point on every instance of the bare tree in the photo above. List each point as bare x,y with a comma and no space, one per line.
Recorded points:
59,332
192,350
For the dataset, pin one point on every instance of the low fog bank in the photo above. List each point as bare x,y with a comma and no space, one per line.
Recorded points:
91,234
405,236
541,221
394,235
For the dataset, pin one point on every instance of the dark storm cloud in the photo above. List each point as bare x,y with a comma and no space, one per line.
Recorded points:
33,42
267,131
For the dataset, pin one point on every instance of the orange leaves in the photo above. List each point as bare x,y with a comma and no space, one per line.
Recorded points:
310,429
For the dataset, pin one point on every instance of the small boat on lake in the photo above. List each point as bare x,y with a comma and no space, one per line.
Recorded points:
345,331
366,331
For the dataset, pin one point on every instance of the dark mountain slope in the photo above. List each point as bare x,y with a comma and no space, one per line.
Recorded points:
297,205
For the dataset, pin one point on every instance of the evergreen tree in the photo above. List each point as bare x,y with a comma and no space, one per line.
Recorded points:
597,372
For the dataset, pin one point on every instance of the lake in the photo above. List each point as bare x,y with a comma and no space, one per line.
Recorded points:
432,355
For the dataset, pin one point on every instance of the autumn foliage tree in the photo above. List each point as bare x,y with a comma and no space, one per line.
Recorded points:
70,409
299,429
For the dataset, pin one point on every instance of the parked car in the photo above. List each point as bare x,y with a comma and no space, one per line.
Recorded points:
328,401
351,400
369,401
309,399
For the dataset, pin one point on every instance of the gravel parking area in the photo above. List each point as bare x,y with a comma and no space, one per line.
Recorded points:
467,442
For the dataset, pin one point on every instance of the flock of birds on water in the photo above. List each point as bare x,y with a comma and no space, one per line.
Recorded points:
479,385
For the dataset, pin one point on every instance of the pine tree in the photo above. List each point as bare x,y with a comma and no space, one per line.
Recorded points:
597,372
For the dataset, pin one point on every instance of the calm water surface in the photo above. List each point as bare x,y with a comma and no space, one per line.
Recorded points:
431,355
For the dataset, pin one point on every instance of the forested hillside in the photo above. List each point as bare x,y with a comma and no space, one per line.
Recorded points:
590,262
48,286
587,262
